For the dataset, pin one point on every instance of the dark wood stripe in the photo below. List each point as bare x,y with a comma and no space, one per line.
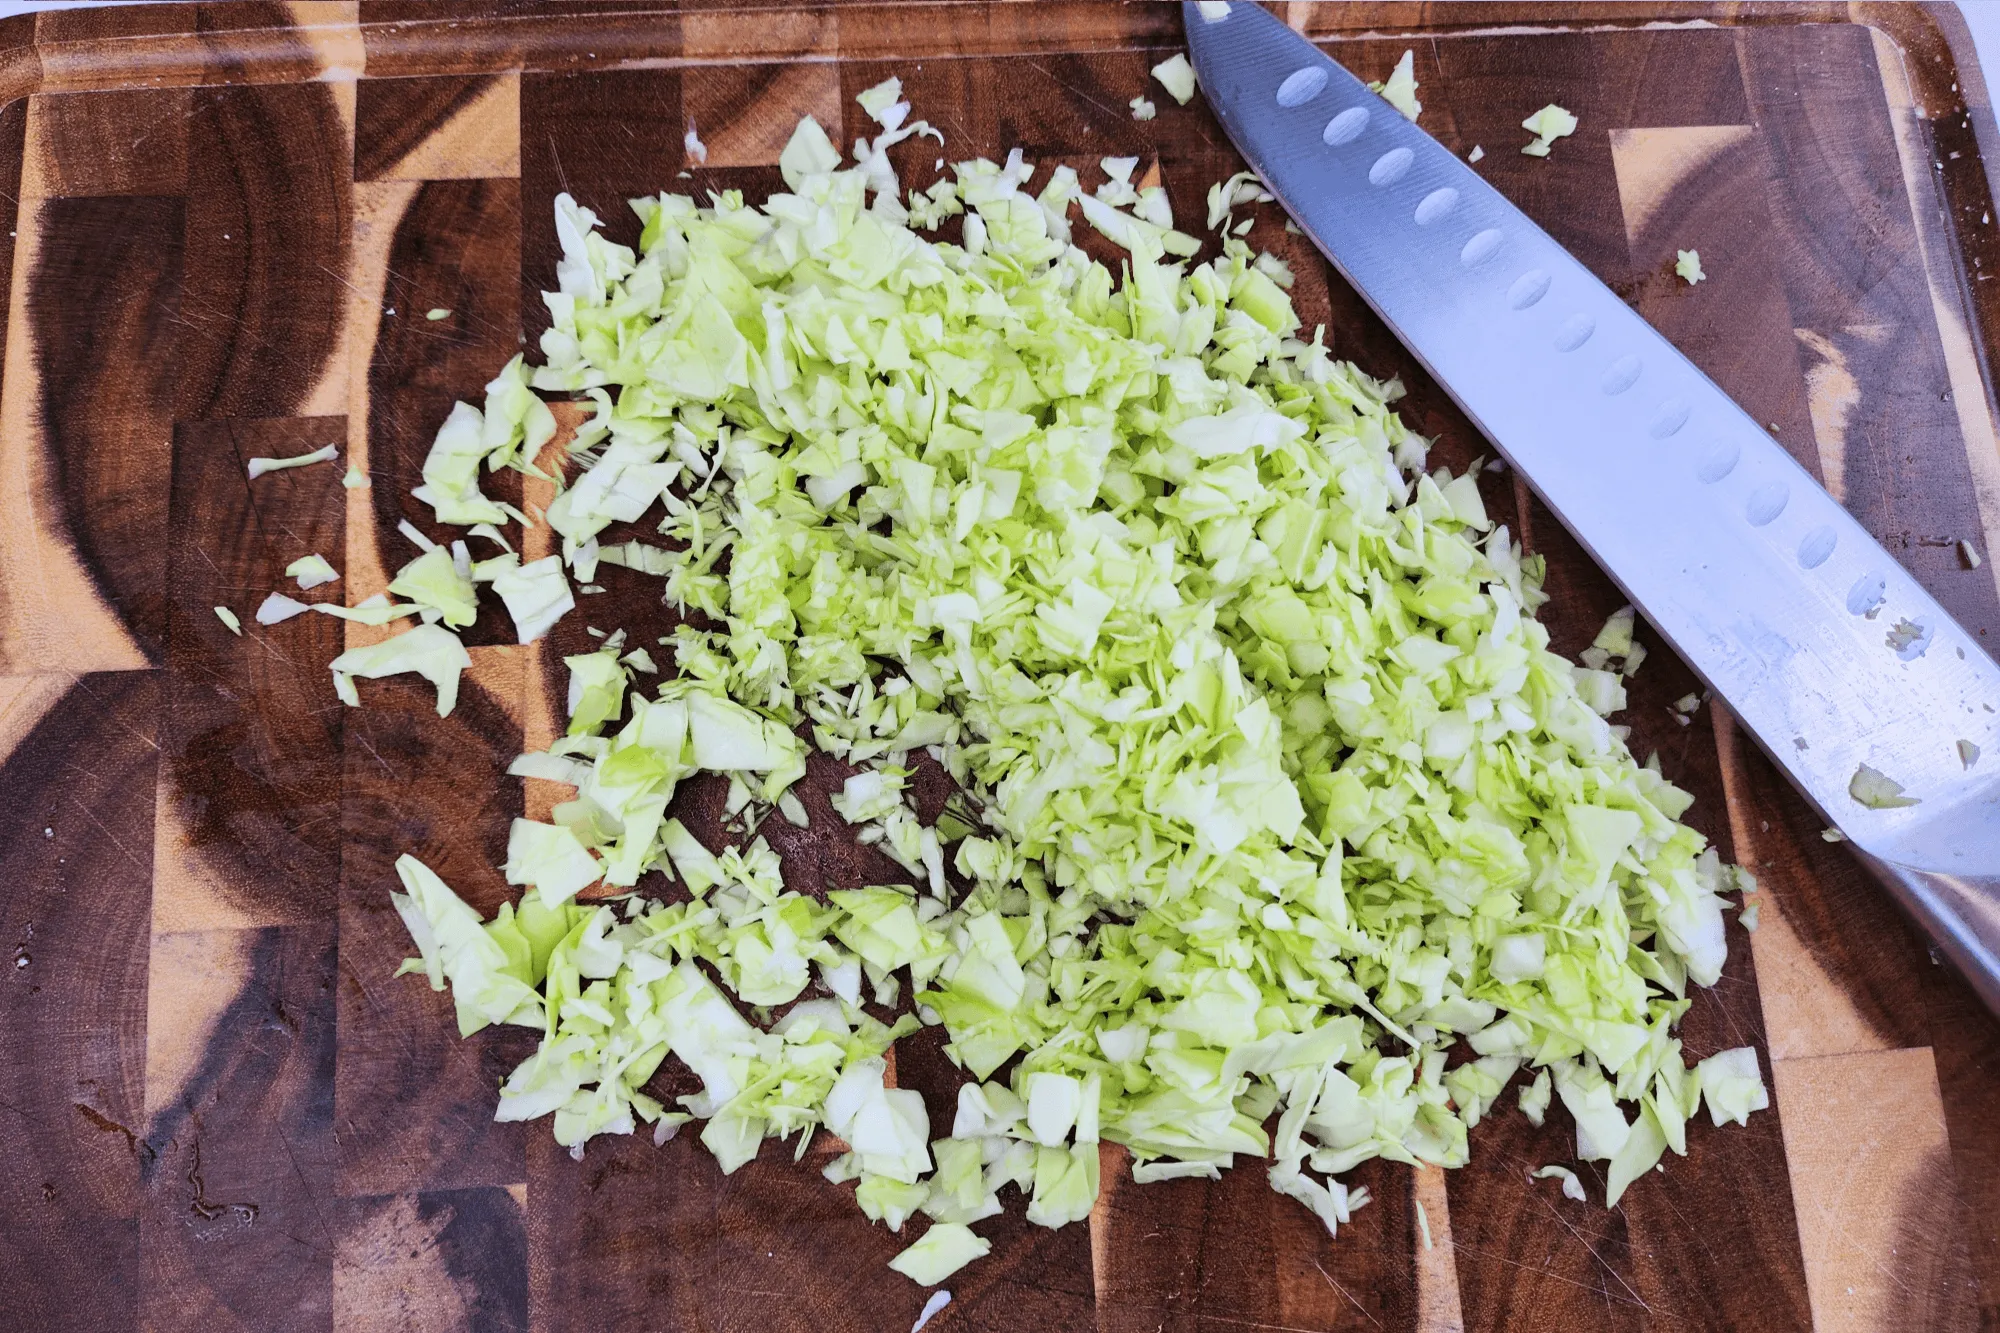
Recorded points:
105,304
414,1103
1849,258
58,25
1965,1042
1737,320
393,116
131,142
267,221
456,249
564,147
1573,193
235,1231
75,886
252,732
672,1243
13,143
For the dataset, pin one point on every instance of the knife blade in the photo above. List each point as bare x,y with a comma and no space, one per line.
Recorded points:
1830,655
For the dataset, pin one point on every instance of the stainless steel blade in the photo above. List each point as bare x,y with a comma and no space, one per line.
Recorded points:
1825,648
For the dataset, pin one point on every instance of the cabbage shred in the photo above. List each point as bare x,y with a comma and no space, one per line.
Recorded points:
1272,789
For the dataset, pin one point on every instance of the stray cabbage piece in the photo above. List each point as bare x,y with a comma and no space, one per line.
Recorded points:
436,313
1877,790
376,610
1571,1186
691,143
1968,555
536,594
1143,108
278,608
1399,90
1968,753
1476,153
1177,76
311,571
259,466
1687,263
355,479
1732,1086
228,618
877,100
429,651
940,1252
1547,125
937,1302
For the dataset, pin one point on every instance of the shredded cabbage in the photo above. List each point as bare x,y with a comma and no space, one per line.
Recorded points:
1271,790
942,1251
278,608
1143,108
1877,790
1547,125
229,618
431,652
1571,1186
1687,263
1400,89
257,467
311,571
1177,76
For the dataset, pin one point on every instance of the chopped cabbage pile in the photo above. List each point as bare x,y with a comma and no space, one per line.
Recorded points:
1273,797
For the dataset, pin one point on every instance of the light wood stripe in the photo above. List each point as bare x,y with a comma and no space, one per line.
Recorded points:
1438,1306
1807,1012
1865,1142
378,208
482,141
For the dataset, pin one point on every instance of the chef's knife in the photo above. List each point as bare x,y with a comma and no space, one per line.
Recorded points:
1826,650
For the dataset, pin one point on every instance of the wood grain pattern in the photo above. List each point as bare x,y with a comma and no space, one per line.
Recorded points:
248,821
76,860
228,221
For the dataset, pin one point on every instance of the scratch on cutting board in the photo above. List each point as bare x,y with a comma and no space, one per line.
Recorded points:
1350,1296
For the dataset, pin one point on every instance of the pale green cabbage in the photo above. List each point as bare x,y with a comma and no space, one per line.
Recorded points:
1547,125
257,467
311,571
1271,789
1400,89
431,652
1176,75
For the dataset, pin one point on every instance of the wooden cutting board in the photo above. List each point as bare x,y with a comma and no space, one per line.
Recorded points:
218,1110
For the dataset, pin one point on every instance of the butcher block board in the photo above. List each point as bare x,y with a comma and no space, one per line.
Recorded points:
219,1110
